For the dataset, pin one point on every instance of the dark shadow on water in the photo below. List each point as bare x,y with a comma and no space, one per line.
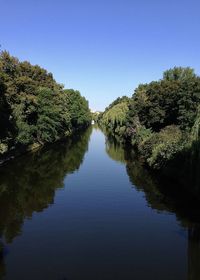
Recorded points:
164,195
28,184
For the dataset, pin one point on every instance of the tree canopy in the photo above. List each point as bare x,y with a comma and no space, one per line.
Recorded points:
161,119
34,108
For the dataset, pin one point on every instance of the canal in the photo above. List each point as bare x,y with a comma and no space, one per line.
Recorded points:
84,209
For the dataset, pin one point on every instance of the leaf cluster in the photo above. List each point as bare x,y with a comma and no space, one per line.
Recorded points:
34,108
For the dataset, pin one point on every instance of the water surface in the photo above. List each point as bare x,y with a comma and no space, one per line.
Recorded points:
83,210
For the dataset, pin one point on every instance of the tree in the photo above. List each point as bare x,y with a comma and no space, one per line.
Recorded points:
179,74
48,126
33,107
166,102
78,108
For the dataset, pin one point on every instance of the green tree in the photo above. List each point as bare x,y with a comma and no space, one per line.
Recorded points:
179,74
78,108
34,107
48,126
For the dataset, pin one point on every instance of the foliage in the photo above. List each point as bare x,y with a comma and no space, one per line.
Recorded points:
117,101
78,108
114,117
33,107
161,119
96,116
166,102
48,126
179,74
195,133
165,145
141,135
3,148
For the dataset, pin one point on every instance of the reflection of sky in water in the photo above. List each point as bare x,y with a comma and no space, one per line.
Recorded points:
98,227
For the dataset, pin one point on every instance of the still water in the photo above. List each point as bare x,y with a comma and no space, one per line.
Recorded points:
84,210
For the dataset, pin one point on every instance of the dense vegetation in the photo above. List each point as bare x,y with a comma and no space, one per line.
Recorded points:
114,117
161,120
34,108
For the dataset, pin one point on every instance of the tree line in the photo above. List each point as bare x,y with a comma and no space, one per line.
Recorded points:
34,108
161,120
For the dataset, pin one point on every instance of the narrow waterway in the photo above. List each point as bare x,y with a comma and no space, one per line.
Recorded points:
82,210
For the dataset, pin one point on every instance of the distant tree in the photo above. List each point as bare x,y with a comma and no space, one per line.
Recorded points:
48,124
78,108
115,116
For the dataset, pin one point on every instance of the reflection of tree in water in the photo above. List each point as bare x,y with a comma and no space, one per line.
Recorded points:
114,148
163,195
28,183
2,264
194,253
115,151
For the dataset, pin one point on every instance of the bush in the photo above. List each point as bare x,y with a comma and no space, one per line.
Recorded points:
163,146
3,148
141,135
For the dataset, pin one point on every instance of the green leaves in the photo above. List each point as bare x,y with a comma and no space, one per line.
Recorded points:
162,119
115,116
78,108
179,74
34,108
48,123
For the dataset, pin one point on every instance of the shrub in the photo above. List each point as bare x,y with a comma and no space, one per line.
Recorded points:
164,145
141,135
3,148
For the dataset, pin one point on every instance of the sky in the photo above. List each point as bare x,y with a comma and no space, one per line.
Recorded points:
106,48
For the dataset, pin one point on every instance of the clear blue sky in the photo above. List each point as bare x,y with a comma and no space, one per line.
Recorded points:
103,48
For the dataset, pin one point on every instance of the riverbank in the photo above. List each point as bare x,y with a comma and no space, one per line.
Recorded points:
181,172
35,110
23,150
161,122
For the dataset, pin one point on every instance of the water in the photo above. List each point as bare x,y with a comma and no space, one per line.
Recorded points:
84,210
